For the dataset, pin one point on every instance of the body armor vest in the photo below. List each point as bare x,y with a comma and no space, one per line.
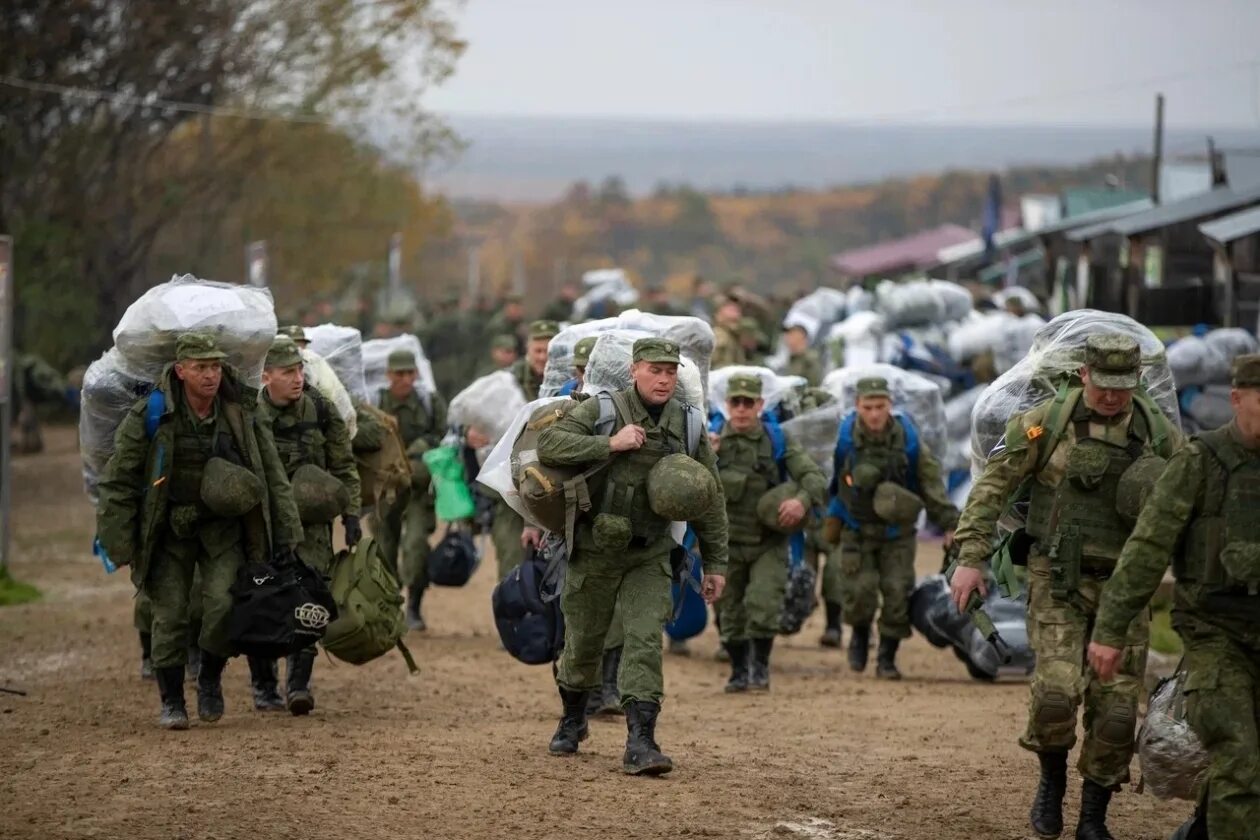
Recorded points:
192,450
1222,548
747,469
414,420
624,489
870,464
299,434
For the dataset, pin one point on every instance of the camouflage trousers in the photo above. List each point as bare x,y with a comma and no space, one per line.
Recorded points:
817,552
1059,630
595,585
872,570
1223,706
756,578
217,552
142,609
406,526
506,536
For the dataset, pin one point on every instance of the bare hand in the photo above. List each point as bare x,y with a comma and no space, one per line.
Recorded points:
476,438
1105,661
628,439
965,581
715,442
948,540
711,587
791,512
531,537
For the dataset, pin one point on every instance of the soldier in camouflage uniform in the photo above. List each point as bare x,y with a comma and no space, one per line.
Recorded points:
1202,517
727,349
873,546
1070,451
407,524
297,333
502,355
802,360
621,550
756,575
156,514
528,372
309,434
510,320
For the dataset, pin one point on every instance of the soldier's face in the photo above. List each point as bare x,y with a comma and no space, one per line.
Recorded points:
201,377
537,354
1246,403
503,357
401,382
796,340
655,381
1106,401
874,412
743,413
284,384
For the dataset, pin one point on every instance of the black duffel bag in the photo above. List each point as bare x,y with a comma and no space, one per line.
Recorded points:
279,607
453,560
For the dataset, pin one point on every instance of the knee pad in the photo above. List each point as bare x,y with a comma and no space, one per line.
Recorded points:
1053,707
1114,726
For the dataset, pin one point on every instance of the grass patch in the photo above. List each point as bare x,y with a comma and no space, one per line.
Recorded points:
1164,638
13,592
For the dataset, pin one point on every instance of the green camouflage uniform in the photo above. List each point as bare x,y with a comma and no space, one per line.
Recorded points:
1063,594
637,577
525,377
727,350
1201,516
806,364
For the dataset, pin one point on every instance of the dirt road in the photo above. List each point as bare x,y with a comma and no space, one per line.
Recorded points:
460,750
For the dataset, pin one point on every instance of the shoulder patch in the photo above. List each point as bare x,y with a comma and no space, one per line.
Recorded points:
1035,432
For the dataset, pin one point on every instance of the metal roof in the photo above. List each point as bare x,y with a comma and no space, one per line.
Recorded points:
910,252
1219,200
1234,226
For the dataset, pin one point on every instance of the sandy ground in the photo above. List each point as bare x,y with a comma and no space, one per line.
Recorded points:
460,750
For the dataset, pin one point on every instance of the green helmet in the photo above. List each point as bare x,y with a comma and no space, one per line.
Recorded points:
1135,486
680,488
229,490
768,505
319,496
897,505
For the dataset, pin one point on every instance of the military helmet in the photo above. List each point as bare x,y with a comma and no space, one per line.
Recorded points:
229,490
865,476
680,488
1135,485
768,505
897,505
319,496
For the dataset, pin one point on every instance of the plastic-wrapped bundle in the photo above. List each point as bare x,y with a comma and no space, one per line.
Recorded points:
694,336
1058,351
1232,341
324,379
605,284
496,471
977,335
376,364
489,404
855,341
1195,362
858,299
817,311
1015,338
1173,760
933,614
1210,408
560,353
773,386
958,301
1024,296
108,394
958,410
609,367
910,303
342,348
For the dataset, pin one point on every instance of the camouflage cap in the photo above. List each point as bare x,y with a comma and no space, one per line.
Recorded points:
582,351
660,350
1114,361
1246,371
744,385
873,386
543,329
295,332
401,361
197,346
284,353
749,325
503,342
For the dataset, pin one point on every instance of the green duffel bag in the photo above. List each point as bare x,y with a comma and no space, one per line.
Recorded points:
319,496
369,619
229,490
768,506
896,505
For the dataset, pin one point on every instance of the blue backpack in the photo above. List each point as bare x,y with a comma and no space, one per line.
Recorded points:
844,448
526,606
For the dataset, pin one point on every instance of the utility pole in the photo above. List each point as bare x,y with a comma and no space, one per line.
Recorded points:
1159,147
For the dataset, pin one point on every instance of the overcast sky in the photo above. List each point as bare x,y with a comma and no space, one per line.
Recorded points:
960,61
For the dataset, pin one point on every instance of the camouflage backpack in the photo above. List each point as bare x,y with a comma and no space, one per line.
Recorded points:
384,472
369,619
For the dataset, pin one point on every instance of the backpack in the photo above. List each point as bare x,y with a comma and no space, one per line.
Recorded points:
526,606
844,448
278,608
690,612
454,559
384,472
369,609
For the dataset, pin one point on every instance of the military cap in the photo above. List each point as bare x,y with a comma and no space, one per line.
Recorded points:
295,332
543,329
873,386
744,385
197,346
582,351
660,350
284,353
749,325
512,297
1246,372
1114,361
503,342
401,361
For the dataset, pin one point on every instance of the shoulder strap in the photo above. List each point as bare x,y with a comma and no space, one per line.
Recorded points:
778,444
1156,423
426,400
911,432
153,412
844,446
1057,419
607,414
1214,443
693,427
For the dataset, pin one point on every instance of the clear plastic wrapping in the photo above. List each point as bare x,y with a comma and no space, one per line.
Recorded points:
856,341
933,614
978,334
108,394
322,378
773,386
1024,296
376,363
1173,760
1058,350
957,300
1232,341
342,348
560,353
817,311
910,303
604,285
496,470
1194,361
694,336
609,367
489,404
1209,409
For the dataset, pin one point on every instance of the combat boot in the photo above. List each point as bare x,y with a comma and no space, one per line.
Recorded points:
886,659
1046,817
415,621
146,656
262,677
609,696
832,636
298,697
194,663
170,682
759,667
210,687
643,756
572,729
1092,824
859,647
738,652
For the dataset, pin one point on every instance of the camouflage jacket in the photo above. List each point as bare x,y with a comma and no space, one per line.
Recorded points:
526,379
727,350
747,468
307,432
806,364
414,420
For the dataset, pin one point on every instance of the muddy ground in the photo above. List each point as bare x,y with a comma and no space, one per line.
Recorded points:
460,750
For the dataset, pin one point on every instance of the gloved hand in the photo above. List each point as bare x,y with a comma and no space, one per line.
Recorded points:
354,531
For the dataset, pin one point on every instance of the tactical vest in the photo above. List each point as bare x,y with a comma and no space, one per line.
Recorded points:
869,464
193,448
747,469
1222,547
299,433
1080,513
414,415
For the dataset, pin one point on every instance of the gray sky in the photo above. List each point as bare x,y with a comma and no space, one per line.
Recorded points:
956,61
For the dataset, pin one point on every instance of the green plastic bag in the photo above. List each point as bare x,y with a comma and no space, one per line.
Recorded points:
453,500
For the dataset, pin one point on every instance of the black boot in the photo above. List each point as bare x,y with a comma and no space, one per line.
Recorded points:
737,651
1046,817
194,663
572,729
759,665
415,621
1093,822
1194,828
832,636
886,659
859,647
298,697
146,656
643,756
210,687
610,697
262,676
170,682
